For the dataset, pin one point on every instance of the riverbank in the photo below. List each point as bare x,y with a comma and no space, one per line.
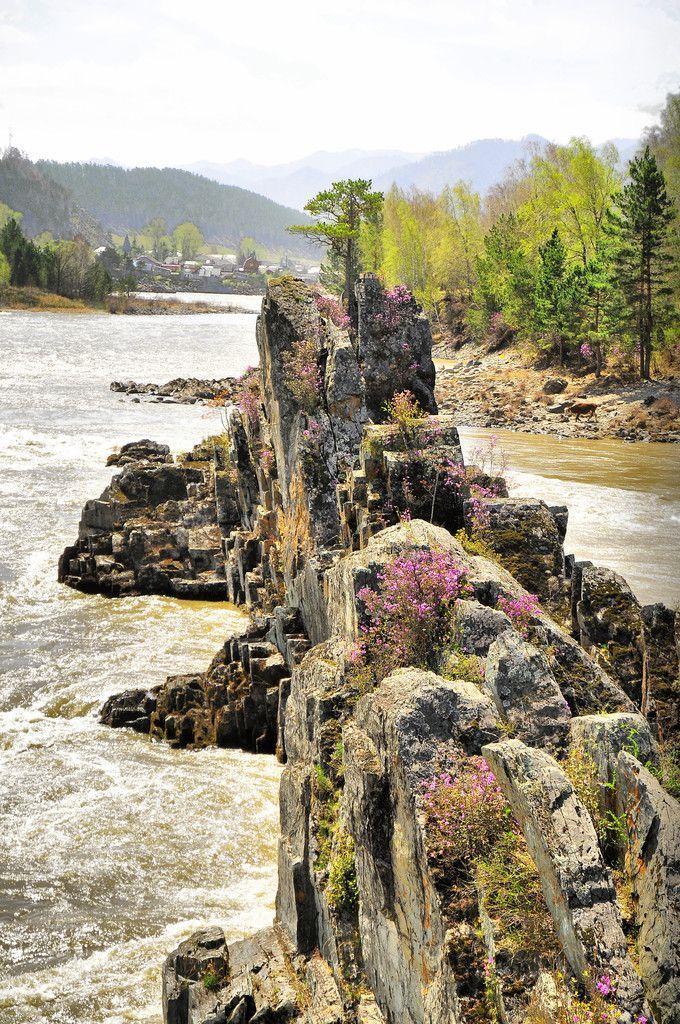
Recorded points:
38,301
134,305
497,389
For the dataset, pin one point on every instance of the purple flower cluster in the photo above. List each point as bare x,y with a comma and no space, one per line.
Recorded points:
248,396
333,311
302,375
466,811
586,350
395,303
520,610
409,616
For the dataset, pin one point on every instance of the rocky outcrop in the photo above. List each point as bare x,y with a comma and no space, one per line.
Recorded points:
157,528
577,885
653,855
661,685
394,345
526,693
527,536
180,390
610,619
381,915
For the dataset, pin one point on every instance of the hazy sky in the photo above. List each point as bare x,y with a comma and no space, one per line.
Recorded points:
173,81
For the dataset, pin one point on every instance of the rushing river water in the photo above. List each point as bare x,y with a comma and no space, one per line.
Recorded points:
112,849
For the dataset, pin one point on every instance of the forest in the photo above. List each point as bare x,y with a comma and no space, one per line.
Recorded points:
570,252
126,200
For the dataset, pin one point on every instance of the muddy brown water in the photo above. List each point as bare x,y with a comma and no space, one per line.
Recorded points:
623,500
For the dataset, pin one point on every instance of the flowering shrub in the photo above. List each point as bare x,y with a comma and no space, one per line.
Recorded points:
409,617
249,394
267,460
301,374
395,303
586,350
333,311
404,411
466,812
520,610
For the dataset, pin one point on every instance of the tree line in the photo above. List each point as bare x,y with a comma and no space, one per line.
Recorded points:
67,268
566,253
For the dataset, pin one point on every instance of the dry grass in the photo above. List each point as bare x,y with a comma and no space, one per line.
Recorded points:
40,301
134,305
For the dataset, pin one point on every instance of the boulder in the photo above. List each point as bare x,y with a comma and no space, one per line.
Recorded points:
476,626
526,537
661,694
555,385
191,975
610,619
131,709
520,681
603,737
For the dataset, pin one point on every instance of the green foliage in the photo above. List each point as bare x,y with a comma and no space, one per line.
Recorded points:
342,891
640,223
404,411
667,771
339,213
211,981
5,270
460,665
513,898
187,240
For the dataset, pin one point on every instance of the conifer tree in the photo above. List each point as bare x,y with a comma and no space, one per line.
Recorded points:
640,224
341,209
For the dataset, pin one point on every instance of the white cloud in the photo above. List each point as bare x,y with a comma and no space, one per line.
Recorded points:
168,81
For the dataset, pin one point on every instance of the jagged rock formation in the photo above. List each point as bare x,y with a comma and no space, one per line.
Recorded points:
378,918
182,390
157,528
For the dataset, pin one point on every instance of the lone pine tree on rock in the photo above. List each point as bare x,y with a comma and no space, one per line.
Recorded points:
341,209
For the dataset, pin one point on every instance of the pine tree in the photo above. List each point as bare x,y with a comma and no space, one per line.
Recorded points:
558,298
640,223
341,210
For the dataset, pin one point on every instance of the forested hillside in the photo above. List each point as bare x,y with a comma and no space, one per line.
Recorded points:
126,200
45,205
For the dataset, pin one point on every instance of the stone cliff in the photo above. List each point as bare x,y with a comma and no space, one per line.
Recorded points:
476,729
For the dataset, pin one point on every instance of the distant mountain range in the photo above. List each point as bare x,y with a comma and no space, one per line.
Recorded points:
481,163
95,200
232,200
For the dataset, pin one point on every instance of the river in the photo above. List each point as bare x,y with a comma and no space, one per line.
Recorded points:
623,500
113,848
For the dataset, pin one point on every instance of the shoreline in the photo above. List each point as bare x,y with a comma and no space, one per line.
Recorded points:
496,390
34,300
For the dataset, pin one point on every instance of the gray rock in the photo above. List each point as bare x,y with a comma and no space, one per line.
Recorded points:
526,694
477,626
186,1000
554,385
610,618
653,861
576,883
603,737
